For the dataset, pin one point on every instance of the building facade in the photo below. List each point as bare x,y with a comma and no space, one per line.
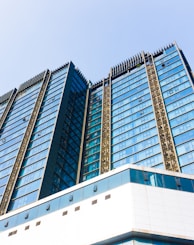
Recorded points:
58,130
142,114
41,132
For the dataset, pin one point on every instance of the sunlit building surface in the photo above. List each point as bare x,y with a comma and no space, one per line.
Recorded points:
104,163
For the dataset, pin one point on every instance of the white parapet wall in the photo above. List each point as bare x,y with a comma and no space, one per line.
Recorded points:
115,213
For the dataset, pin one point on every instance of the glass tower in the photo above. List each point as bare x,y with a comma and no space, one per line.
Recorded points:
41,131
58,129
151,109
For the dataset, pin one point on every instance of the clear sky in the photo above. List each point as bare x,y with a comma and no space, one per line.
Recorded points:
94,34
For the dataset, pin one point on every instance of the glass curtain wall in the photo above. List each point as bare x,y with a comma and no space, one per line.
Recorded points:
12,131
178,95
30,177
134,133
91,159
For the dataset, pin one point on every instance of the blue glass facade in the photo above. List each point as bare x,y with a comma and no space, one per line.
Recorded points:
12,132
66,145
134,133
50,161
91,158
178,94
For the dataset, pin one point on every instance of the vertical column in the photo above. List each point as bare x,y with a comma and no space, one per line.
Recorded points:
105,134
82,138
17,165
8,106
165,136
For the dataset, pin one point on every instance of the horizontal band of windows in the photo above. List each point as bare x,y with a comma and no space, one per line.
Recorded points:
6,171
91,151
94,122
54,82
142,155
53,91
176,89
24,200
133,149
8,156
2,189
45,118
92,158
28,91
147,162
39,148
127,127
91,167
134,140
137,130
181,110
57,74
169,67
160,59
40,140
127,86
50,123
90,175
94,111
128,108
129,76
166,62
96,94
181,102
28,168
171,72
24,107
4,180
179,95
7,164
174,83
92,143
181,119
187,159
30,187
183,128
27,97
168,81
55,101
25,179
135,116
185,148
188,169
94,128
35,158
95,106
12,133
129,93
95,116
21,117
131,103
6,143
133,99
185,137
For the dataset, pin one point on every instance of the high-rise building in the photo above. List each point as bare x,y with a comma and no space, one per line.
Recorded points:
58,130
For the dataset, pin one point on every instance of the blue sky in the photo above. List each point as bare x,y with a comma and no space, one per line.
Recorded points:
94,34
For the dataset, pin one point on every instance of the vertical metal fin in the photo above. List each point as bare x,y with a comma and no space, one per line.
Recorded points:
21,154
105,135
8,106
165,136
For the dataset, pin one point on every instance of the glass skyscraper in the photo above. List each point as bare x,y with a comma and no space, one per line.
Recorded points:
58,129
150,111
